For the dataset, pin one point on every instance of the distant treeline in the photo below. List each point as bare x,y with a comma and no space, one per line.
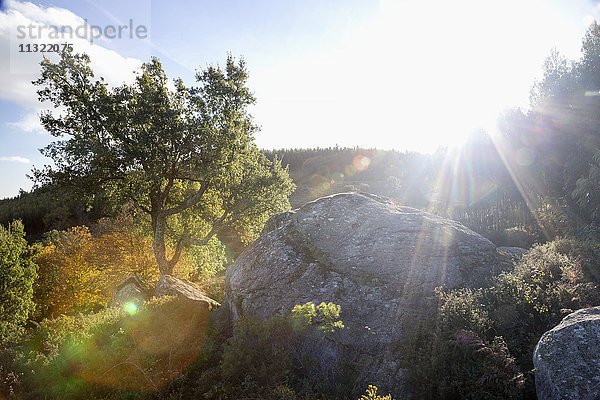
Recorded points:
323,171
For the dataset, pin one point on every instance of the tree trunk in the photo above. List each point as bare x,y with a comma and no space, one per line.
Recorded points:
158,245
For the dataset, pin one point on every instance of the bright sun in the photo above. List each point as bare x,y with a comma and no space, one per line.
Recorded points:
418,75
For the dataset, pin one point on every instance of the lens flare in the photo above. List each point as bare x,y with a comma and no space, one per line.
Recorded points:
361,163
130,308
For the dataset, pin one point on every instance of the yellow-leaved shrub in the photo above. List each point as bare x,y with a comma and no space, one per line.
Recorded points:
79,270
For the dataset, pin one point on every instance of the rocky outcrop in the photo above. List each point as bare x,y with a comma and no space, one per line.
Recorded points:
379,262
567,358
132,289
169,285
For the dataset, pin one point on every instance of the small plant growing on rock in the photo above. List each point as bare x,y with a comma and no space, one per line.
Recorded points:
326,315
372,394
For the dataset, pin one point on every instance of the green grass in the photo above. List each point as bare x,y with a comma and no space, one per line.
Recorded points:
113,353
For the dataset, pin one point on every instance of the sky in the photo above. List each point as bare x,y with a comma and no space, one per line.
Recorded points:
393,74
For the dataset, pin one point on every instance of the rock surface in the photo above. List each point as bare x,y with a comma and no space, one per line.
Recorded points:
567,358
132,289
379,262
169,285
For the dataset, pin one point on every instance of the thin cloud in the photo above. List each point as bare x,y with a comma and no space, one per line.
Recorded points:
15,159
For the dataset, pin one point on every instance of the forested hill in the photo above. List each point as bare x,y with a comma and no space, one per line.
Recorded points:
477,188
48,208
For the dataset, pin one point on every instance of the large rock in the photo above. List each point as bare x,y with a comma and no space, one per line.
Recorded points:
169,285
380,262
567,358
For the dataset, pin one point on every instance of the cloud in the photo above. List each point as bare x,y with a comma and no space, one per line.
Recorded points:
18,70
15,159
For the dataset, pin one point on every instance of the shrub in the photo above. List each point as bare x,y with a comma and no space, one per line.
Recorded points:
458,365
502,321
80,269
535,296
66,280
585,252
111,354
513,237
17,274
214,287
259,352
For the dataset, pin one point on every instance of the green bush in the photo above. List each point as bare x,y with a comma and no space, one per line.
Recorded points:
267,354
259,352
585,252
526,302
17,274
483,340
215,287
113,353
443,363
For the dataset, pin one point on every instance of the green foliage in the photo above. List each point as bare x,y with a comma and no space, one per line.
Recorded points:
318,172
559,136
585,252
535,296
214,287
259,352
514,237
445,363
587,189
264,352
209,260
17,274
458,308
264,359
51,207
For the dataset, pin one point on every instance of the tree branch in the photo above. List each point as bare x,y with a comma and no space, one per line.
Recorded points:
192,201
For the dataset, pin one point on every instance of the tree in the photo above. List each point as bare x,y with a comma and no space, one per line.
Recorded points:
17,274
560,133
184,156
